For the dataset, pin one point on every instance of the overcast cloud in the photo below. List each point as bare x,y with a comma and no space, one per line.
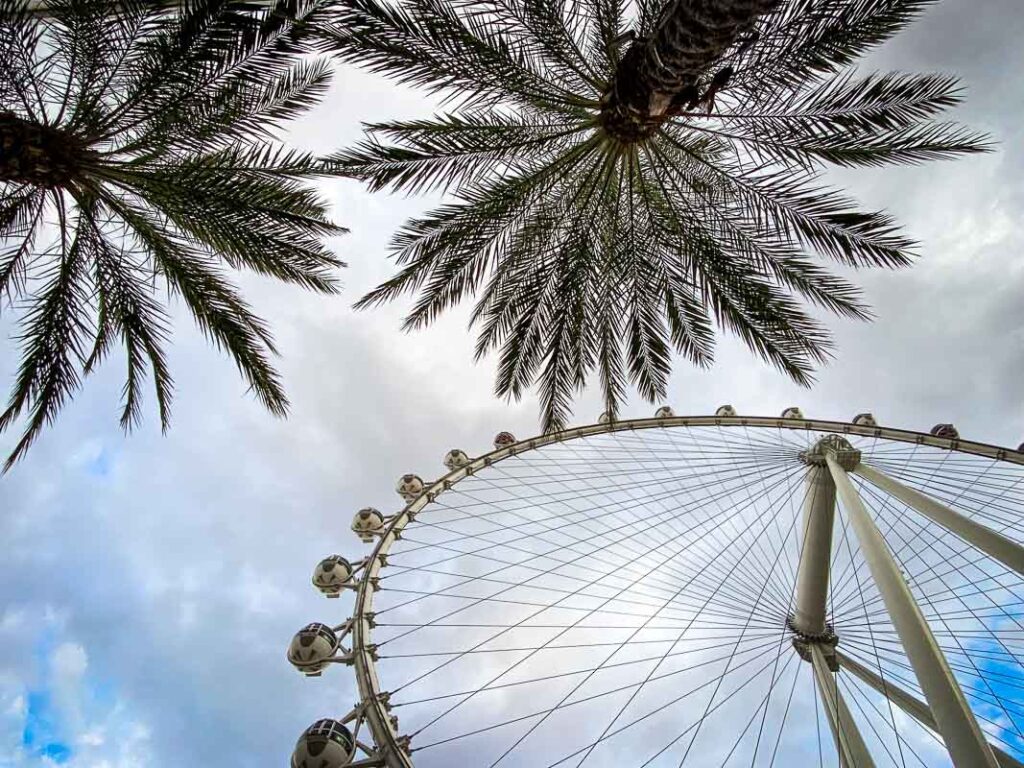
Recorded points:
150,584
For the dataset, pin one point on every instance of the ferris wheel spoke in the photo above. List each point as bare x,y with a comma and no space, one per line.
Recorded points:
885,688
617,566
891,651
565,600
951,553
568,494
867,498
982,587
707,500
492,637
750,721
971,492
590,490
716,645
771,653
615,507
785,716
990,509
903,608
708,437
724,612
901,673
543,608
788,612
590,468
759,651
643,683
980,626
623,708
888,719
901,552
723,702
779,592
870,714
763,712
958,649
1006,585
954,561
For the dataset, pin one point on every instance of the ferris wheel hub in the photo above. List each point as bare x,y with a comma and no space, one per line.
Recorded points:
827,641
836,446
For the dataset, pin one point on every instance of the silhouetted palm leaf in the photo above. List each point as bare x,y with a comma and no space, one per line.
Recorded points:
623,185
146,136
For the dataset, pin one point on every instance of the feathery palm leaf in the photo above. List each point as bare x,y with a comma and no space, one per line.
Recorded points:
137,147
623,185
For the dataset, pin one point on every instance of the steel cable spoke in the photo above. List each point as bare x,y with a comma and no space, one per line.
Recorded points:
629,592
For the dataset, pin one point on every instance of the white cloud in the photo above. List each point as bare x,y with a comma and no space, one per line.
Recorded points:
69,663
178,577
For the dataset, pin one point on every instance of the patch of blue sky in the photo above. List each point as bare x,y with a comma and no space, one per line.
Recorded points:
103,694
46,736
46,642
41,734
998,687
99,466
1004,687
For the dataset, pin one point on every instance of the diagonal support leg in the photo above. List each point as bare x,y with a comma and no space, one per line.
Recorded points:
997,546
853,753
956,724
910,704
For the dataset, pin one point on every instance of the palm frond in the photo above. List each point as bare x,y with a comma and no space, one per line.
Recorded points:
808,39
240,110
149,131
872,121
792,203
20,214
52,342
21,33
452,150
541,29
218,309
458,243
429,43
612,208
605,46
236,80
127,309
269,224
563,372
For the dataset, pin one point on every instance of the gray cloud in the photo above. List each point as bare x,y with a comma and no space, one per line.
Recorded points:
180,564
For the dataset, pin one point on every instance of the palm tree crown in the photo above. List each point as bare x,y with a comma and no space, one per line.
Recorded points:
626,180
136,149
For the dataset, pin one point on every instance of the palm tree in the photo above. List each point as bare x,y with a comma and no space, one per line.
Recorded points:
137,151
627,178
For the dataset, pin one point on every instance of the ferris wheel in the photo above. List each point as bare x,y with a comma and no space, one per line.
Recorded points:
707,591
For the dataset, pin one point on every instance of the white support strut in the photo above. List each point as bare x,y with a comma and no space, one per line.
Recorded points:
853,753
910,704
815,553
997,546
956,724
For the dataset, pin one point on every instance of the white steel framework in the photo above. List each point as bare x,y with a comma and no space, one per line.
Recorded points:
621,593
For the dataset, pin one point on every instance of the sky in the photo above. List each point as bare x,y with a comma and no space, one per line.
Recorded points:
150,584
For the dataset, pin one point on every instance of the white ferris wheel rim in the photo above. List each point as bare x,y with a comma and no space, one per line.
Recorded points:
375,701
